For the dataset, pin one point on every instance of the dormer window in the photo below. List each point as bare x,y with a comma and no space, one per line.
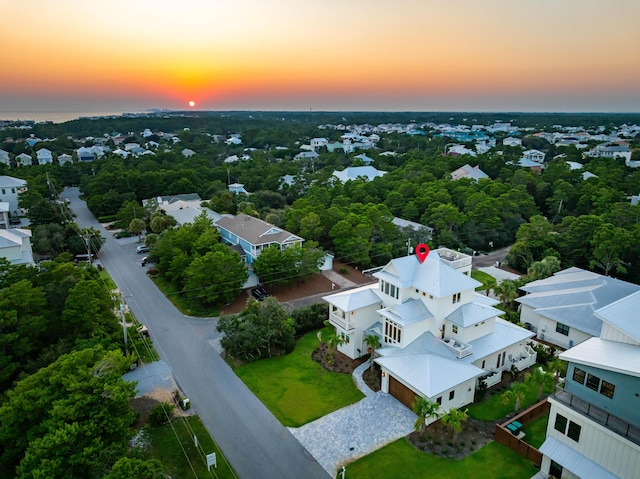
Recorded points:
454,328
455,299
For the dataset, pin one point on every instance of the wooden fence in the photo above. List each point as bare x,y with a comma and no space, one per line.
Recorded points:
504,436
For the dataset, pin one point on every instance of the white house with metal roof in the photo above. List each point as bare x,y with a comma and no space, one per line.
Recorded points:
15,246
561,309
368,173
10,188
594,421
437,335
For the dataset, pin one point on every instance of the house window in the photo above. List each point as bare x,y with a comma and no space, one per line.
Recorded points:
439,401
483,364
392,332
560,424
454,328
607,389
579,375
562,329
574,431
555,469
451,395
593,382
392,291
455,299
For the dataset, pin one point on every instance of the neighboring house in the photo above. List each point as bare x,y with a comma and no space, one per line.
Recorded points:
594,421
10,188
611,151
44,156
468,171
437,335
15,246
368,173
317,143
4,158
306,155
237,188
233,140
253,235
533,155
4,215
85,154
402,224
365,159
561,309
456,150
511,141
24,160
64,159
186,152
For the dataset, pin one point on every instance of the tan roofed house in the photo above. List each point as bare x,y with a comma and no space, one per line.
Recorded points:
253,235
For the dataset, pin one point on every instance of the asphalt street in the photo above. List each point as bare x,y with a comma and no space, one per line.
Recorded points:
252,440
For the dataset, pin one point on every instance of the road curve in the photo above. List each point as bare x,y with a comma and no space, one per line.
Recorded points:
253,441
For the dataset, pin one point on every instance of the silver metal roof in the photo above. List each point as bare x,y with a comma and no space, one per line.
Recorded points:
472,313
573,461
610,355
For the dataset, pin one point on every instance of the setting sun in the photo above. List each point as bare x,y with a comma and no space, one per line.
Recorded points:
192,103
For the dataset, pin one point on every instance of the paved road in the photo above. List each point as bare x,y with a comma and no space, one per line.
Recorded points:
253,441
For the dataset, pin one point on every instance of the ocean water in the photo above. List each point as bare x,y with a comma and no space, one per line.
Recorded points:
56,117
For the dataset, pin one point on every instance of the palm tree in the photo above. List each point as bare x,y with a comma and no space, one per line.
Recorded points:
425,410
558,368
454,419
333,342
373,342
516,394
507,292
539,378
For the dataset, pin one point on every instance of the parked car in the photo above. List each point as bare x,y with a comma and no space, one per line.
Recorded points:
142,249
259,293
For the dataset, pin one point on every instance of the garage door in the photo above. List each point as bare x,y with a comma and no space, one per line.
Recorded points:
401,392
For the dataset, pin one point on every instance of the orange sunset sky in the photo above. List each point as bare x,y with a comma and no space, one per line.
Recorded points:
420,55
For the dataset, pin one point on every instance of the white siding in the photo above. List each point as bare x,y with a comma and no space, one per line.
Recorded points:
612,333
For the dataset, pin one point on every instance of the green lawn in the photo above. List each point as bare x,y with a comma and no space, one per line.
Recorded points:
535,431
482,277
170,450
295,388
400,460
495,408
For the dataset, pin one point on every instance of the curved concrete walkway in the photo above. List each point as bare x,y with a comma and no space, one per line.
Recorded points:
356,430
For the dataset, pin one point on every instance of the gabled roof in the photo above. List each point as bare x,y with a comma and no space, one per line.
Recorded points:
256,231
623,314
354,172
355,299
11,182
431,276
573,296
407,313
472,313
610,355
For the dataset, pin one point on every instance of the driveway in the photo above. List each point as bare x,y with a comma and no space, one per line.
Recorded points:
356,430
253,441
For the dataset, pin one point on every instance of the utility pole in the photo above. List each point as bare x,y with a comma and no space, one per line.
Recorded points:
87,240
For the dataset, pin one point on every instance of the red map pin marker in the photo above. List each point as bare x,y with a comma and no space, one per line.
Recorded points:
422,251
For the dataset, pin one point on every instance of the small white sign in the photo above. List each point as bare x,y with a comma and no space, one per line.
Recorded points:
211,461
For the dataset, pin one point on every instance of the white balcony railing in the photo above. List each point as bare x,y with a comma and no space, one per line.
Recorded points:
460,349
341,322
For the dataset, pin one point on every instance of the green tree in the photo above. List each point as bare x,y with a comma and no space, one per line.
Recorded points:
136,226
454,420
544,268
540,379
69,419
425,410
131,467
215,278
373,342
610,244
507,291
515,394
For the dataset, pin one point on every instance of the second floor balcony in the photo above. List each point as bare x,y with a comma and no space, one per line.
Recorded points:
341,322
598,415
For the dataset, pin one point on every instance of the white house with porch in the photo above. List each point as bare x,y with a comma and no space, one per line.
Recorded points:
437,335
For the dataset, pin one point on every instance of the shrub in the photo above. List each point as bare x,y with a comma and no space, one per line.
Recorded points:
309,318
343,270
161,414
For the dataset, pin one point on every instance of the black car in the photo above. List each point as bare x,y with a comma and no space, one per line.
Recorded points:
259,293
